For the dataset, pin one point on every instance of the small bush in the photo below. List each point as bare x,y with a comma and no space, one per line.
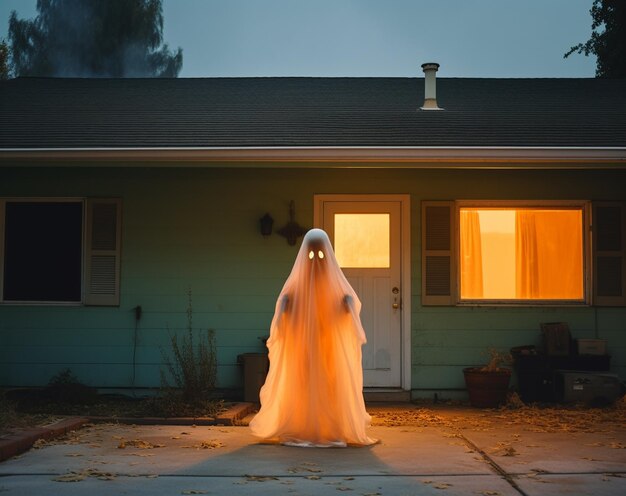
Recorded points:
65,387
194,366
8,415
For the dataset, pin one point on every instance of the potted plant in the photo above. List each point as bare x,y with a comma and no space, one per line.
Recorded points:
488,385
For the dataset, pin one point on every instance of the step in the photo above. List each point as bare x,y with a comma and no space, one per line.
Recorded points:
375,395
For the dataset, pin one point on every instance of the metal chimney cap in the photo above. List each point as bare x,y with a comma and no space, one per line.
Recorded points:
430,65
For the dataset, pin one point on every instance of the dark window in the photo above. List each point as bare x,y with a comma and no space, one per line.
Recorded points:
43,251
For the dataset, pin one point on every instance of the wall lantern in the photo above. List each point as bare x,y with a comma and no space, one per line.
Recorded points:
266,224
292,230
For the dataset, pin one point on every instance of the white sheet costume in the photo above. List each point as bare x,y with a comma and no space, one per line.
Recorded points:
313,394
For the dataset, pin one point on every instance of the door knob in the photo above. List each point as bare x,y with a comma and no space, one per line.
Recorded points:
396,303
396,300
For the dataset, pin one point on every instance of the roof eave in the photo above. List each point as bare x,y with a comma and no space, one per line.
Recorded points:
409,157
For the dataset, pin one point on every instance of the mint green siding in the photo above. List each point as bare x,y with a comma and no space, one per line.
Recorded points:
198,228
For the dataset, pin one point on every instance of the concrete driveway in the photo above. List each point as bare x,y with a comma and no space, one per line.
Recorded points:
108,459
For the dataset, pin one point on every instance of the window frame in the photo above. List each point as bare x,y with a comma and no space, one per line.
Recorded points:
584,205
100,282
82,201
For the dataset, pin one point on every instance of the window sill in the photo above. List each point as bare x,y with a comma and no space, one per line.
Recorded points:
42,303
524,304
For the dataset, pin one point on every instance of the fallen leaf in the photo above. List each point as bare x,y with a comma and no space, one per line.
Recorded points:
41,443
72,477
313,477
83,474
442,485
194,491
139,443
510,451
98,474
212,444
260,478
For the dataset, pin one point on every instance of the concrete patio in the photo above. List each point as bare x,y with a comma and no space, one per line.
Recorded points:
458,452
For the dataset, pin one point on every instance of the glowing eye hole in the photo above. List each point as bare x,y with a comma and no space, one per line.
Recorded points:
320,254
311,254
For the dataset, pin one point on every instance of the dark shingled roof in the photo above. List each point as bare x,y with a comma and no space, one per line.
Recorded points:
310,112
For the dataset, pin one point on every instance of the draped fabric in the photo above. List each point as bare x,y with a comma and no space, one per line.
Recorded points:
549,254
471,255
313,393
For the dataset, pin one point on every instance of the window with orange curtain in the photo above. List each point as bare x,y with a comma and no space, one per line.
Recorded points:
521,253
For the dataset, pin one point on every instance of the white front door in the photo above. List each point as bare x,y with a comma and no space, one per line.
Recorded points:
366,234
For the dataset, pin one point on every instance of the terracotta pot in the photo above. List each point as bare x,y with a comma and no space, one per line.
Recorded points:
487,389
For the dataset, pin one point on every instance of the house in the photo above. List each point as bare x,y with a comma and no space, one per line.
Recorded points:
466,212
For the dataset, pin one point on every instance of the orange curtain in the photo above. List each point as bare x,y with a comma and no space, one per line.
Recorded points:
471,256
549,254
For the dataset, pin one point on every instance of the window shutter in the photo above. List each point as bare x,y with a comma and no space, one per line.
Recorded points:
102,274
2,219
609,253
438,253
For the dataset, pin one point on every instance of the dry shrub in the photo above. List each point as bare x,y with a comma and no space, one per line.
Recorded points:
190,369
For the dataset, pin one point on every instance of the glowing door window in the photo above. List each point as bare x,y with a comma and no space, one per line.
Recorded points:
362,240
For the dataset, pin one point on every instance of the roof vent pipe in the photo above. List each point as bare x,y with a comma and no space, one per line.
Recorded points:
430,86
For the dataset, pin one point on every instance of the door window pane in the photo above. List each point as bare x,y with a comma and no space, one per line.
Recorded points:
43,251
521,253
362,240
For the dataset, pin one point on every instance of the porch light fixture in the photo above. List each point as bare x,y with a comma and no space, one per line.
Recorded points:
292,230
266,224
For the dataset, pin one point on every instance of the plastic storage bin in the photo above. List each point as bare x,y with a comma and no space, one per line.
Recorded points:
255,367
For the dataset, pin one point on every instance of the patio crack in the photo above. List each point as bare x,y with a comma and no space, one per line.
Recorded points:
503,473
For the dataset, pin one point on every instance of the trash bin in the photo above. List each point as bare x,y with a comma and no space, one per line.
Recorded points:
534,376
255,367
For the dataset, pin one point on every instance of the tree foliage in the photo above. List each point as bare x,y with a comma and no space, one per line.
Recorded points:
608,38
4,60
93,38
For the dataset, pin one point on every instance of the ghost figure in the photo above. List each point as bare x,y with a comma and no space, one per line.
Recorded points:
313,394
